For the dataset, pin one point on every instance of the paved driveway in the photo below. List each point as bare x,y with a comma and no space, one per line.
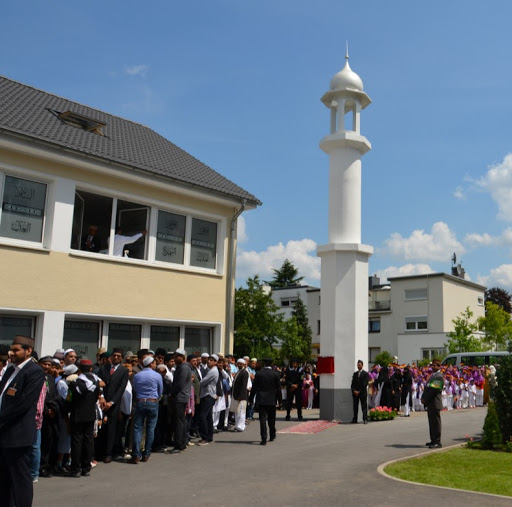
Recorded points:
336,467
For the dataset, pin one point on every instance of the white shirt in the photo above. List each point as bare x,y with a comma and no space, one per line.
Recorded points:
121,241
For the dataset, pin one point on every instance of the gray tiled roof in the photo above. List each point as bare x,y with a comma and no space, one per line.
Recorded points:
26,111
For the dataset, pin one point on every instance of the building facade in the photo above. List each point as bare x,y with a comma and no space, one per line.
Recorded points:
411,315
110,235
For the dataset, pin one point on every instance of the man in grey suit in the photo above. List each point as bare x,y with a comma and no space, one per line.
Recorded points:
267,390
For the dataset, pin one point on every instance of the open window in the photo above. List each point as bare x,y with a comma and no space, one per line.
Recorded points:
92,218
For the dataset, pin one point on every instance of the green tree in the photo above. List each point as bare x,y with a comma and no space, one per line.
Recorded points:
500,393
257,322
461,339
296,340
384,359
492,433
496,325
499,297
285,276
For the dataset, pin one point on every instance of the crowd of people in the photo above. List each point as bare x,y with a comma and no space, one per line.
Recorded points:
400,387
125,406
61,414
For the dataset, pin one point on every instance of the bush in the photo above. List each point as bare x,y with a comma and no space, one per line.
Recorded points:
501,393
492,433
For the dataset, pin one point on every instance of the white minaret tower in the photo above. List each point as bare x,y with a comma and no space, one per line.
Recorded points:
344,282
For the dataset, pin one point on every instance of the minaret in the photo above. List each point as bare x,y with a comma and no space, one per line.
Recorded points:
344,275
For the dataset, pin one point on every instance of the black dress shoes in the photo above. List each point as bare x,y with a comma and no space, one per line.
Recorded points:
263,442
435,446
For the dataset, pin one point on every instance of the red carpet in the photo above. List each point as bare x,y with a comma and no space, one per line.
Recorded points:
309,427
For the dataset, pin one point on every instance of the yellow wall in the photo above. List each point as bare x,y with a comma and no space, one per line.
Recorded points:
63,282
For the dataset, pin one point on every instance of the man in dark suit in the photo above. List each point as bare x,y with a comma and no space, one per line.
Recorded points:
359,388
294,377
267,390
433,400
115,376
20,389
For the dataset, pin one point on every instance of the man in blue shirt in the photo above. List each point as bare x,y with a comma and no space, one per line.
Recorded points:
148,387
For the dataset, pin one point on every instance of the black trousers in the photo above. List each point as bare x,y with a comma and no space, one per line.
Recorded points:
290,396
206,418
363,398
434,424
180,424
82,445
15,479
49,439
267,413
113,431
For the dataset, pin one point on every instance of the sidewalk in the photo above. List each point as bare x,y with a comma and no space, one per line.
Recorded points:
337,466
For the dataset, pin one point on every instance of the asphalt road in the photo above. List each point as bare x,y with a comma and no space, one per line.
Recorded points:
336,467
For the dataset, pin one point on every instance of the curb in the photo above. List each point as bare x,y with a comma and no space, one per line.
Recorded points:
380,470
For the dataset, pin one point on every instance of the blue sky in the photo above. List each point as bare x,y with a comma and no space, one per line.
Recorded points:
238,85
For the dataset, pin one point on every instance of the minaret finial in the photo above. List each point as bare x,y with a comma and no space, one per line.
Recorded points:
346,50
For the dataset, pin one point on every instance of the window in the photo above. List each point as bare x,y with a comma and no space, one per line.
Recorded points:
82,336
374,325
198,340
480,301
416,323
124,336
165,337
179,239
203,251
12,325
23,208
373,352
415,294
432,353
170,238
288,301
317,327
92,225
92,218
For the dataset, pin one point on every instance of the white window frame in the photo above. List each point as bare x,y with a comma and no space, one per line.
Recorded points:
432,352
416,319
290,300
154,207
421,294
16,172
480,300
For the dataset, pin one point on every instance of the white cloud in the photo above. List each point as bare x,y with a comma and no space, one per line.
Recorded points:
500,276
498,182
478,240
459,193
420,246
241,233
302,254
406,270
136,70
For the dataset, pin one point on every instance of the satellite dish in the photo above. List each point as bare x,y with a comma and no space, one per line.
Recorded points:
454,259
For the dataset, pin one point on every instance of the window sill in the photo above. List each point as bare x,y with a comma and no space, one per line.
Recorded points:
147,264
24,245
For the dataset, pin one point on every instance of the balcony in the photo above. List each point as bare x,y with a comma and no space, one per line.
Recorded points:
379,306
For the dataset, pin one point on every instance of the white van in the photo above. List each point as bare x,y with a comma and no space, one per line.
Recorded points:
474,358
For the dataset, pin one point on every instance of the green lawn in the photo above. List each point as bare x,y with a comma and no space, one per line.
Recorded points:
474,470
